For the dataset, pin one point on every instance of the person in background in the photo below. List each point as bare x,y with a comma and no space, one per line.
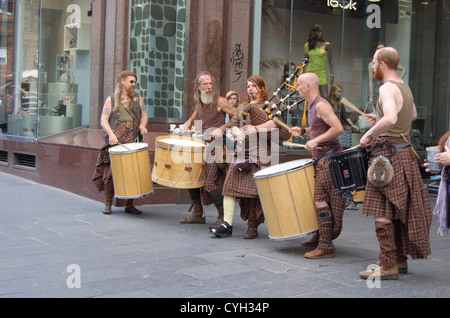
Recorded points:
442,207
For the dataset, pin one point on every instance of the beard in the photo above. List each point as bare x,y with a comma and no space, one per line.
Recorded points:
130,92
377,74
206,97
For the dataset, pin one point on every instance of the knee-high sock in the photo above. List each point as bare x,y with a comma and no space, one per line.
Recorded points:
229,204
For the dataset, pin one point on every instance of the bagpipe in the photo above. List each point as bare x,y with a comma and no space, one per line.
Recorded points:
272,109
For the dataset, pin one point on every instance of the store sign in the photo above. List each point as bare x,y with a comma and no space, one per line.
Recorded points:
349,5
75,17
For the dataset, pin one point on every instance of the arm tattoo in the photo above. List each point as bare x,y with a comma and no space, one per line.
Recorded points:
106,111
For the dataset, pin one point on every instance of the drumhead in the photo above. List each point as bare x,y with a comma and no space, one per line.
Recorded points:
284,167
129,147
182,142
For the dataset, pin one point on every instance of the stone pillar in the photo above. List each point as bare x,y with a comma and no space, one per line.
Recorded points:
237,63
109,52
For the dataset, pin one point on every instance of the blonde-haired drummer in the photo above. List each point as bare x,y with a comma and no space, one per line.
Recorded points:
124,119
324,131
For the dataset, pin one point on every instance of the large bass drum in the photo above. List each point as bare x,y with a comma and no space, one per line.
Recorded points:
130,165
179,162
286,192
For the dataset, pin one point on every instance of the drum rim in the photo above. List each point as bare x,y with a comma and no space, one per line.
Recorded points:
279,173
135,196
293,237
129,150
166,145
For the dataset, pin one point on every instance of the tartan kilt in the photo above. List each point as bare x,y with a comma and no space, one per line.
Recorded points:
324,189
103,172
405,199
214,179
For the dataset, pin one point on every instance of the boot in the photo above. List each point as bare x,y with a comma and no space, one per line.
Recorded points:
380,273
197,217
325,248
107,209
252,232
219,218
388,253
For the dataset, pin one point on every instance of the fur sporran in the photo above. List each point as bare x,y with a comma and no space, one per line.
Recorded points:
380,172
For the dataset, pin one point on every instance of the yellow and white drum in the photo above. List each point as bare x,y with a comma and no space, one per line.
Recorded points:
179,162
286,192
130,164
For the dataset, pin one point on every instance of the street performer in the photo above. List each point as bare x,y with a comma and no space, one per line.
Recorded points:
123,120
401,208
253,130
211,109
324,130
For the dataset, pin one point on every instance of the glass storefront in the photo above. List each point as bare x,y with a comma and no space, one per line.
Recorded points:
45,66
157,55
417,29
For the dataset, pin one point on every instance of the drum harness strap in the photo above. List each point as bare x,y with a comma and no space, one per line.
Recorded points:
328,153
396,147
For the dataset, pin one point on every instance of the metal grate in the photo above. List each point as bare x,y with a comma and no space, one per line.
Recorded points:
3,157
26,161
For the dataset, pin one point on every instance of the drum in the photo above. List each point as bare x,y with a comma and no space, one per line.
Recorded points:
286,192
130,165
179,162
349,170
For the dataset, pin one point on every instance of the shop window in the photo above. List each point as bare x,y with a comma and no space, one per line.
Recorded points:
157,42
354,30
45,59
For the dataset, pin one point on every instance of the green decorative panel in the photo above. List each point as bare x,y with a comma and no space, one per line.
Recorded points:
157,45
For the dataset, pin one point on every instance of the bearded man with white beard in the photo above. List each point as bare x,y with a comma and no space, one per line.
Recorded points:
211,109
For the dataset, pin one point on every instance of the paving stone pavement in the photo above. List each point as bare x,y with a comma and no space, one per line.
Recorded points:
54,244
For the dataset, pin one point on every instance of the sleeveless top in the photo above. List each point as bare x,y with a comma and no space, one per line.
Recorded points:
212,118
317,63
404,116
317,125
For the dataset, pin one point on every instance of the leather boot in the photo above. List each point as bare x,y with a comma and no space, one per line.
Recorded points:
325,247
388,253
197,217
252,232
107,209
219,217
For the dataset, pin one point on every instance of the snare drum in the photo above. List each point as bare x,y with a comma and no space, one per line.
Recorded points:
179,162
349,170
286,192
130,165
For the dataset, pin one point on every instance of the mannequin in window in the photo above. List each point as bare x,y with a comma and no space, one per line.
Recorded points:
373,94
318,51
287,71
345,118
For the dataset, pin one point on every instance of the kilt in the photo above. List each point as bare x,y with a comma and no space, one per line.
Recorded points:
103,173
404,200
242,185
324,189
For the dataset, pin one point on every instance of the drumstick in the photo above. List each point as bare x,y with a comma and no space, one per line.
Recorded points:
411,147
293,144
346,102
279,122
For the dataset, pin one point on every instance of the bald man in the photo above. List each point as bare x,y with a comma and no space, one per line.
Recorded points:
324,130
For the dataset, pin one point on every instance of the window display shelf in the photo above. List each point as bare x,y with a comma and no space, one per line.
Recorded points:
77,38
